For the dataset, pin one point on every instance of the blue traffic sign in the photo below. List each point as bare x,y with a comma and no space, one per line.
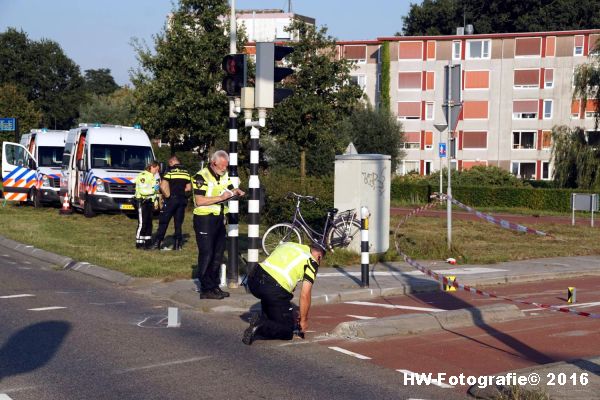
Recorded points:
7,124
442,150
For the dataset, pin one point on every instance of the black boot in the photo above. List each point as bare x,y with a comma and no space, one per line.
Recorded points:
157,245
148,244
178,244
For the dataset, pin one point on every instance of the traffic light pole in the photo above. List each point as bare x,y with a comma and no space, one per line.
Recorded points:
448,157
233,216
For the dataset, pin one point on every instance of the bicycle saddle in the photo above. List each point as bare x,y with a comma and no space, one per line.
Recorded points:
333,211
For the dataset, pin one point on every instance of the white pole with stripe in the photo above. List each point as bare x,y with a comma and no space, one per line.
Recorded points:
364,246
254,202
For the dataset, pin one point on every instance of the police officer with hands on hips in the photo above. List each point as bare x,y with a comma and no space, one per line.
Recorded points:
146,191
212,189
175,185
273,282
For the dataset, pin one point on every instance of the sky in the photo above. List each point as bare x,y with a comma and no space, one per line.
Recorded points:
98,33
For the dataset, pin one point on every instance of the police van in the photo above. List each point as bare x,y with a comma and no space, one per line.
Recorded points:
31,169
100,165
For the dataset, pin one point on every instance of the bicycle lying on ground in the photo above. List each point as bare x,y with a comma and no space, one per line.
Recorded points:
338,231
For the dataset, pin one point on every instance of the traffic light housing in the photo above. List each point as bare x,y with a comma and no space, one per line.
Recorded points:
234,66
268,73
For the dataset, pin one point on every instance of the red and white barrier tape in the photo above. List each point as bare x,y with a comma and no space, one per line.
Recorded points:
445,281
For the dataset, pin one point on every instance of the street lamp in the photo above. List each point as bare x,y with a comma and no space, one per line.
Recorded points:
441,128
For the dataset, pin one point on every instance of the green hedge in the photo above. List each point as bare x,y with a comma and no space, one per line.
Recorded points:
491,196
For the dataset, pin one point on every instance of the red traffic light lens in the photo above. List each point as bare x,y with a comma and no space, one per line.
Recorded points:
231,66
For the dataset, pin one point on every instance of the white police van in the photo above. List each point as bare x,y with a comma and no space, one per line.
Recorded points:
100,165
31,169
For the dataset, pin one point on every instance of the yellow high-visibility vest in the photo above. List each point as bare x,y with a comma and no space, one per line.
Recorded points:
213,188
287,264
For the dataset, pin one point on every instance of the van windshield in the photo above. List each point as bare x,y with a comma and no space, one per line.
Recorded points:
50,156
108,156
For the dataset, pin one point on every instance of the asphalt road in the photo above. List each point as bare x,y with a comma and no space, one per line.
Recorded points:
105,342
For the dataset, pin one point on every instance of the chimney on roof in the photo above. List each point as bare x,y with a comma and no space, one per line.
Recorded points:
469,29
460,31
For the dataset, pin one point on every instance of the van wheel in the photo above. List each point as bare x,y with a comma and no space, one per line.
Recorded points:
88,212
34,197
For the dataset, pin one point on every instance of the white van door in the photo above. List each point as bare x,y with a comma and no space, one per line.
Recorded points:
19,173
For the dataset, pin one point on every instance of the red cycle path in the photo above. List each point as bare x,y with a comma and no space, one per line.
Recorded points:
541,337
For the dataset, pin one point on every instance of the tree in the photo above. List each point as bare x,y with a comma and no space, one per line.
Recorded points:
441,17
310,118
375,132
576,158
99,82
14,103
385,77
177,86
587,81
45,74
117,108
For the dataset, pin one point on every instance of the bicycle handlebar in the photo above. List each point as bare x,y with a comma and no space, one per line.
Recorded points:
312,199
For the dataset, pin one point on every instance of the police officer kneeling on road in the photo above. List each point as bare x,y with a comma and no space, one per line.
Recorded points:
175,185
145,196
273,281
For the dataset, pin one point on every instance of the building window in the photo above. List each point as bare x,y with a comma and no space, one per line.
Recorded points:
593,138
410,50
475,109
547,109
575,108
430,110
412,140
594,45
409,110
528,47
356,53
429,80
591,108
545,170
549,78
523,169
359,80
408,166
478,49
474,140
427,166
525,109
578,48
526,78
524,140
456,50
550,46
409,80
546,140
428,140
431,50
477,79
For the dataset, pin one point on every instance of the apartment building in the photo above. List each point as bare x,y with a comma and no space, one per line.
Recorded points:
515,88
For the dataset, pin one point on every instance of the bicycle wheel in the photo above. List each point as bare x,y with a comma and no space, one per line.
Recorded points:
277,234
342,233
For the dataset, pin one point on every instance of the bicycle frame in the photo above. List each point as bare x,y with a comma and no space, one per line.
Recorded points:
299,222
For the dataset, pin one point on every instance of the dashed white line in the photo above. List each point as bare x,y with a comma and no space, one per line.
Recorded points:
425,378
359,316
161,365
577,305
350,353
15,296
45,308
366,303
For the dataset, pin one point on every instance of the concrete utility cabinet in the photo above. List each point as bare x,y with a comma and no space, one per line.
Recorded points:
364,180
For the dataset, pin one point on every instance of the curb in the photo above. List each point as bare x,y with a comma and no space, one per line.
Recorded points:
67,263
411,324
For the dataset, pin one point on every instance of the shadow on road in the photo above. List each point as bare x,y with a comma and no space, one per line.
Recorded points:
32,347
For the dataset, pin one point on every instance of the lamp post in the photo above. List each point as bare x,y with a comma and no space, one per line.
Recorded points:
441,128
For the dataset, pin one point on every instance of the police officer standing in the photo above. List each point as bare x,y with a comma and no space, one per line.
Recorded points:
175,184
212,189
145,196
273,281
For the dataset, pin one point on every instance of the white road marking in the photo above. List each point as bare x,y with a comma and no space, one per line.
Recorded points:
577,305
452,271
350,353
5,255
359,316
433,381
367,303
4,397
26,262
161,365
45,308
26,268
15,296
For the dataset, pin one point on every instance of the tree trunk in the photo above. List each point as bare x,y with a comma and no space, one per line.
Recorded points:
302,164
